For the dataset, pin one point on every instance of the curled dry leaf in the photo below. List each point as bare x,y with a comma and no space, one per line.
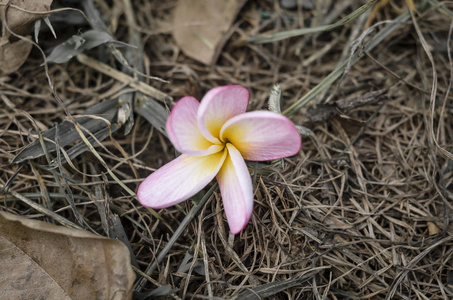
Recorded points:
19,21
200,26
13,55
44,261
13,51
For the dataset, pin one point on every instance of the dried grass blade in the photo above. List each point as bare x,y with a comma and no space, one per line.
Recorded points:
80,148
433,93
412,264
152,111
441,7
45,211
178,232
104,164
271,288
277,36
335,74
122,77
101,114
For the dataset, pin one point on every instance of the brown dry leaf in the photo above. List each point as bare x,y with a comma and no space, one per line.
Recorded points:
199,26
20,22
44,261
433,228
13,55
13,51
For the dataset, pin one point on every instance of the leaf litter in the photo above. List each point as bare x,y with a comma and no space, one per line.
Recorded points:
364,212
17,17
29,250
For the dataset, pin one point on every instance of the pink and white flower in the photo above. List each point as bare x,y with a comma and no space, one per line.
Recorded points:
215,137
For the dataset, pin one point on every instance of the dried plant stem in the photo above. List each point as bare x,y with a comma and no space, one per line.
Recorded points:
45,211
335,74
109,71
178,232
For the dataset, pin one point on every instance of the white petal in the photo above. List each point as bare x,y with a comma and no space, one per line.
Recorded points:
237,191
179,180
219,105
183,132
262,135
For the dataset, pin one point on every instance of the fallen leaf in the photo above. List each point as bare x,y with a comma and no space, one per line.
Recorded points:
19,21
14,51
67,133
199,26
79,43
13,55
433,228
44,261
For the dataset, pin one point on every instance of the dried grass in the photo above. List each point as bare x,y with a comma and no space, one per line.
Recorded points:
368,202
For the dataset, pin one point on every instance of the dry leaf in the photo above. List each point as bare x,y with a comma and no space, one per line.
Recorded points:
44,261
433,228
20,22
199,26
13,55
13,51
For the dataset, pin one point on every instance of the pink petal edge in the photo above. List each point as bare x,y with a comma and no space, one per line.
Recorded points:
183,132
179,180
217,106
262,135
237,190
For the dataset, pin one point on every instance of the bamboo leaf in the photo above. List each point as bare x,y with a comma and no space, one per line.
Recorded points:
67,133
80,43
152,111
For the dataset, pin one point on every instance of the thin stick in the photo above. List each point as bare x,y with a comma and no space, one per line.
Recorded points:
43,210
120,76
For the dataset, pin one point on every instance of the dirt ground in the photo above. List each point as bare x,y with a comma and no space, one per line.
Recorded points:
362,212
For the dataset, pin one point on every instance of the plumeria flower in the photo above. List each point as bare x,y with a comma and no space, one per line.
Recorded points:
215,138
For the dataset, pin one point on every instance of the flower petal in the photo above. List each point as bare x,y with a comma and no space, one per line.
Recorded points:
237,190
179,180
183,132
262,135
219,105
